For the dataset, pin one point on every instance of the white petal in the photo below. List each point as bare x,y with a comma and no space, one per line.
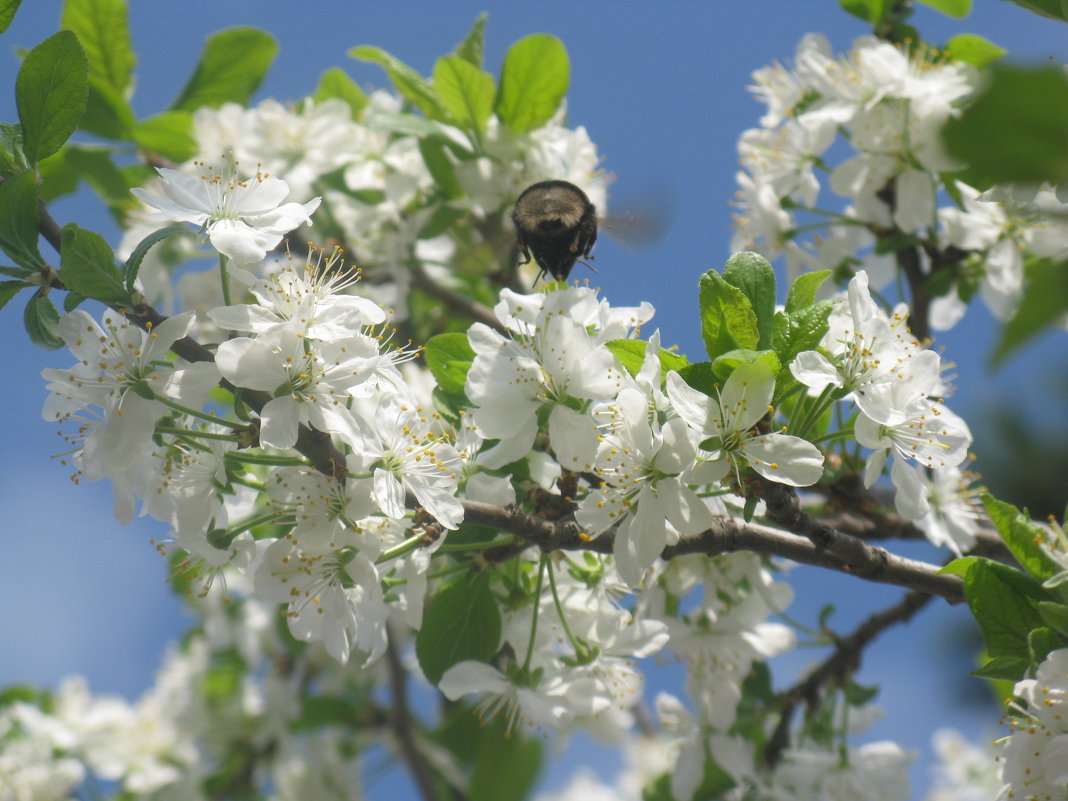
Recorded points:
785,459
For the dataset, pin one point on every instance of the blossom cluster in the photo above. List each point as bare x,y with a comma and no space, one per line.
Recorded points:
867,125
305,461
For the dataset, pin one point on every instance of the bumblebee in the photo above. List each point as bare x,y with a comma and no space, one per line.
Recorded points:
556,225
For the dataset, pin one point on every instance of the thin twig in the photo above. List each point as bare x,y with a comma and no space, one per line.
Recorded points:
456,301
838,667
401,723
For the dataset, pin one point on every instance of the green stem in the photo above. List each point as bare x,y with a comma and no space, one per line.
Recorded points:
534,616
403,548
267,459
192,432
224,276
818,407
200,415
575,644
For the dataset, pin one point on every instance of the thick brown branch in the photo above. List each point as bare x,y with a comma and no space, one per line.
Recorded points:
728,534
838,667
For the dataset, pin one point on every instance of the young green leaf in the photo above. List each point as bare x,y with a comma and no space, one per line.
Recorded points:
725,364
87,267
7,13
1021,536
534,79
449,357
133,264
408,82
465,90
440,167
958,9
973,49
51,92
1045,300
751,273
728,321
169,134
108,114
803,292
506,763
1054,9
462,622
101,27
793,332
8,290
42,322
231,67
1004,601
872,11
19,217
335,82
472,48
1017,129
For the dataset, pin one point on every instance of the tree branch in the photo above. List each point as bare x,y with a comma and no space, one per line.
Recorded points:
401,723
456,301
838,667
824,546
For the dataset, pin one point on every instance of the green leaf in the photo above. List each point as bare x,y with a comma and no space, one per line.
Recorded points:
507,763
465,90
803,292
169,134
472,48
42,322
1004,602
8,290
1016,130
440,167
51,92
1054,9
973,49
408,82
700,377
631,354
11,158
101,26
1008,668
335,82
1055,615
7,13
87,267
1040,642
449,357
95,167
958,9
727,318
231,67
872,11
462,622
1044,301
534,79
724,365
1021,536
107,113
19,218
799,331
133,264
751,273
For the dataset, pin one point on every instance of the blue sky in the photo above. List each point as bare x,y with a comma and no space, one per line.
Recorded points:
661,88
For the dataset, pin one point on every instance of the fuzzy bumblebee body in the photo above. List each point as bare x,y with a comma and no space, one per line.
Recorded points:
556,224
